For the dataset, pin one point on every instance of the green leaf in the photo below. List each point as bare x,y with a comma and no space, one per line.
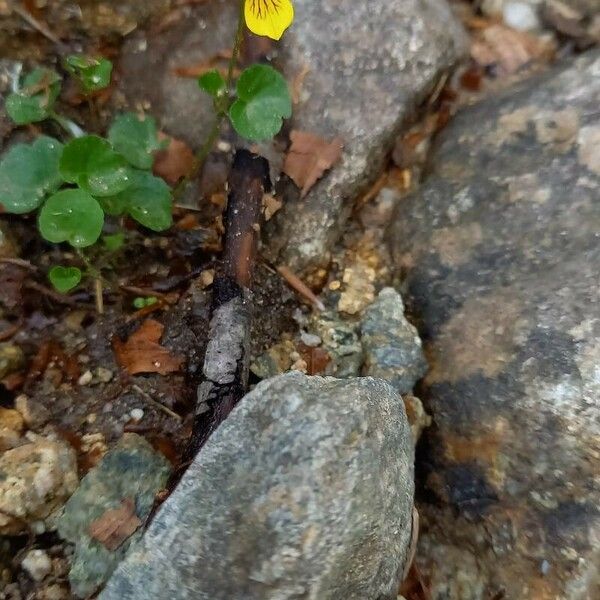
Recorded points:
115,206
136,139
141,302
91,162
64,279
35,100
93,73
114,242
263,101
212,83
28,172
148,201
71,216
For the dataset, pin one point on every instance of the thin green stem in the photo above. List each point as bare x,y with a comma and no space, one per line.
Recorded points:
215,131
69,126
96,275
237,44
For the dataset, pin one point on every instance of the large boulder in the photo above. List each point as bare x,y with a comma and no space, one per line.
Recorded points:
500,256
305,491
360,80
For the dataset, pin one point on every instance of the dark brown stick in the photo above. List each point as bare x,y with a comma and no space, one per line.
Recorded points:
225,370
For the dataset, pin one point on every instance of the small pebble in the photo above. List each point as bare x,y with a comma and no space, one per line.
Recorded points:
545,567
104,375
91,418
137,414
521,16
86,378
37,564
310,339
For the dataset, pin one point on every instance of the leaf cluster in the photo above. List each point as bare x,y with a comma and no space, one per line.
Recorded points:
74,185
261,102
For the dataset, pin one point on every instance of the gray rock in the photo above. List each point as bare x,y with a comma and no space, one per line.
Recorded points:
378,60
392,346
341,341
501,253
305,491
131,470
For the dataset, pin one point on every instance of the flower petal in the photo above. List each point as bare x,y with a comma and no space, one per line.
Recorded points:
269,18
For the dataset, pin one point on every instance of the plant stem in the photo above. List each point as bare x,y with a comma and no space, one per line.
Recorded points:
98,295
213,135
97,276
237,44
69,126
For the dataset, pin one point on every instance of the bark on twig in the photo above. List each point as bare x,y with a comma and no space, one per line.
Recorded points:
225,370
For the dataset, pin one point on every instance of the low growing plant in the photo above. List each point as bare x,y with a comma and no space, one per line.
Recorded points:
75,183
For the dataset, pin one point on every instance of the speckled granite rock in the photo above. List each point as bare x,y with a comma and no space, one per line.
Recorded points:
500,253
132,470
392,346
378,60
35,480
305,491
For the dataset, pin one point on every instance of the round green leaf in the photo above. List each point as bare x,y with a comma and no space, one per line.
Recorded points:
212,83
71,216
148,201
91,162
263,101
28,172
35,100
136,139
93,73
64,279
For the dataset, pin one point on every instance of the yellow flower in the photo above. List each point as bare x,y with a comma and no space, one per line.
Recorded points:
268,17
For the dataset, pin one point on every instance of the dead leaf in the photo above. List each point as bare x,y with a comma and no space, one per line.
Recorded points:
270,205
142,352
175,161
115,525
309,157
51,357
508,49
414,587
316,359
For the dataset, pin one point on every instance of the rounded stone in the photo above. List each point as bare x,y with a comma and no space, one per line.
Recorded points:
305,491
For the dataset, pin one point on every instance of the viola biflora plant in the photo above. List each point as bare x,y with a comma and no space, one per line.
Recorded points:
74,184
261,99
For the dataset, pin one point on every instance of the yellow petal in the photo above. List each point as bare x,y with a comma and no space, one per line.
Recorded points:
269,18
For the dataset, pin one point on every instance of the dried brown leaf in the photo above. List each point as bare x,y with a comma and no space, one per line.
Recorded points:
175,161
316,359
142,352
309,157
270,205
115,525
